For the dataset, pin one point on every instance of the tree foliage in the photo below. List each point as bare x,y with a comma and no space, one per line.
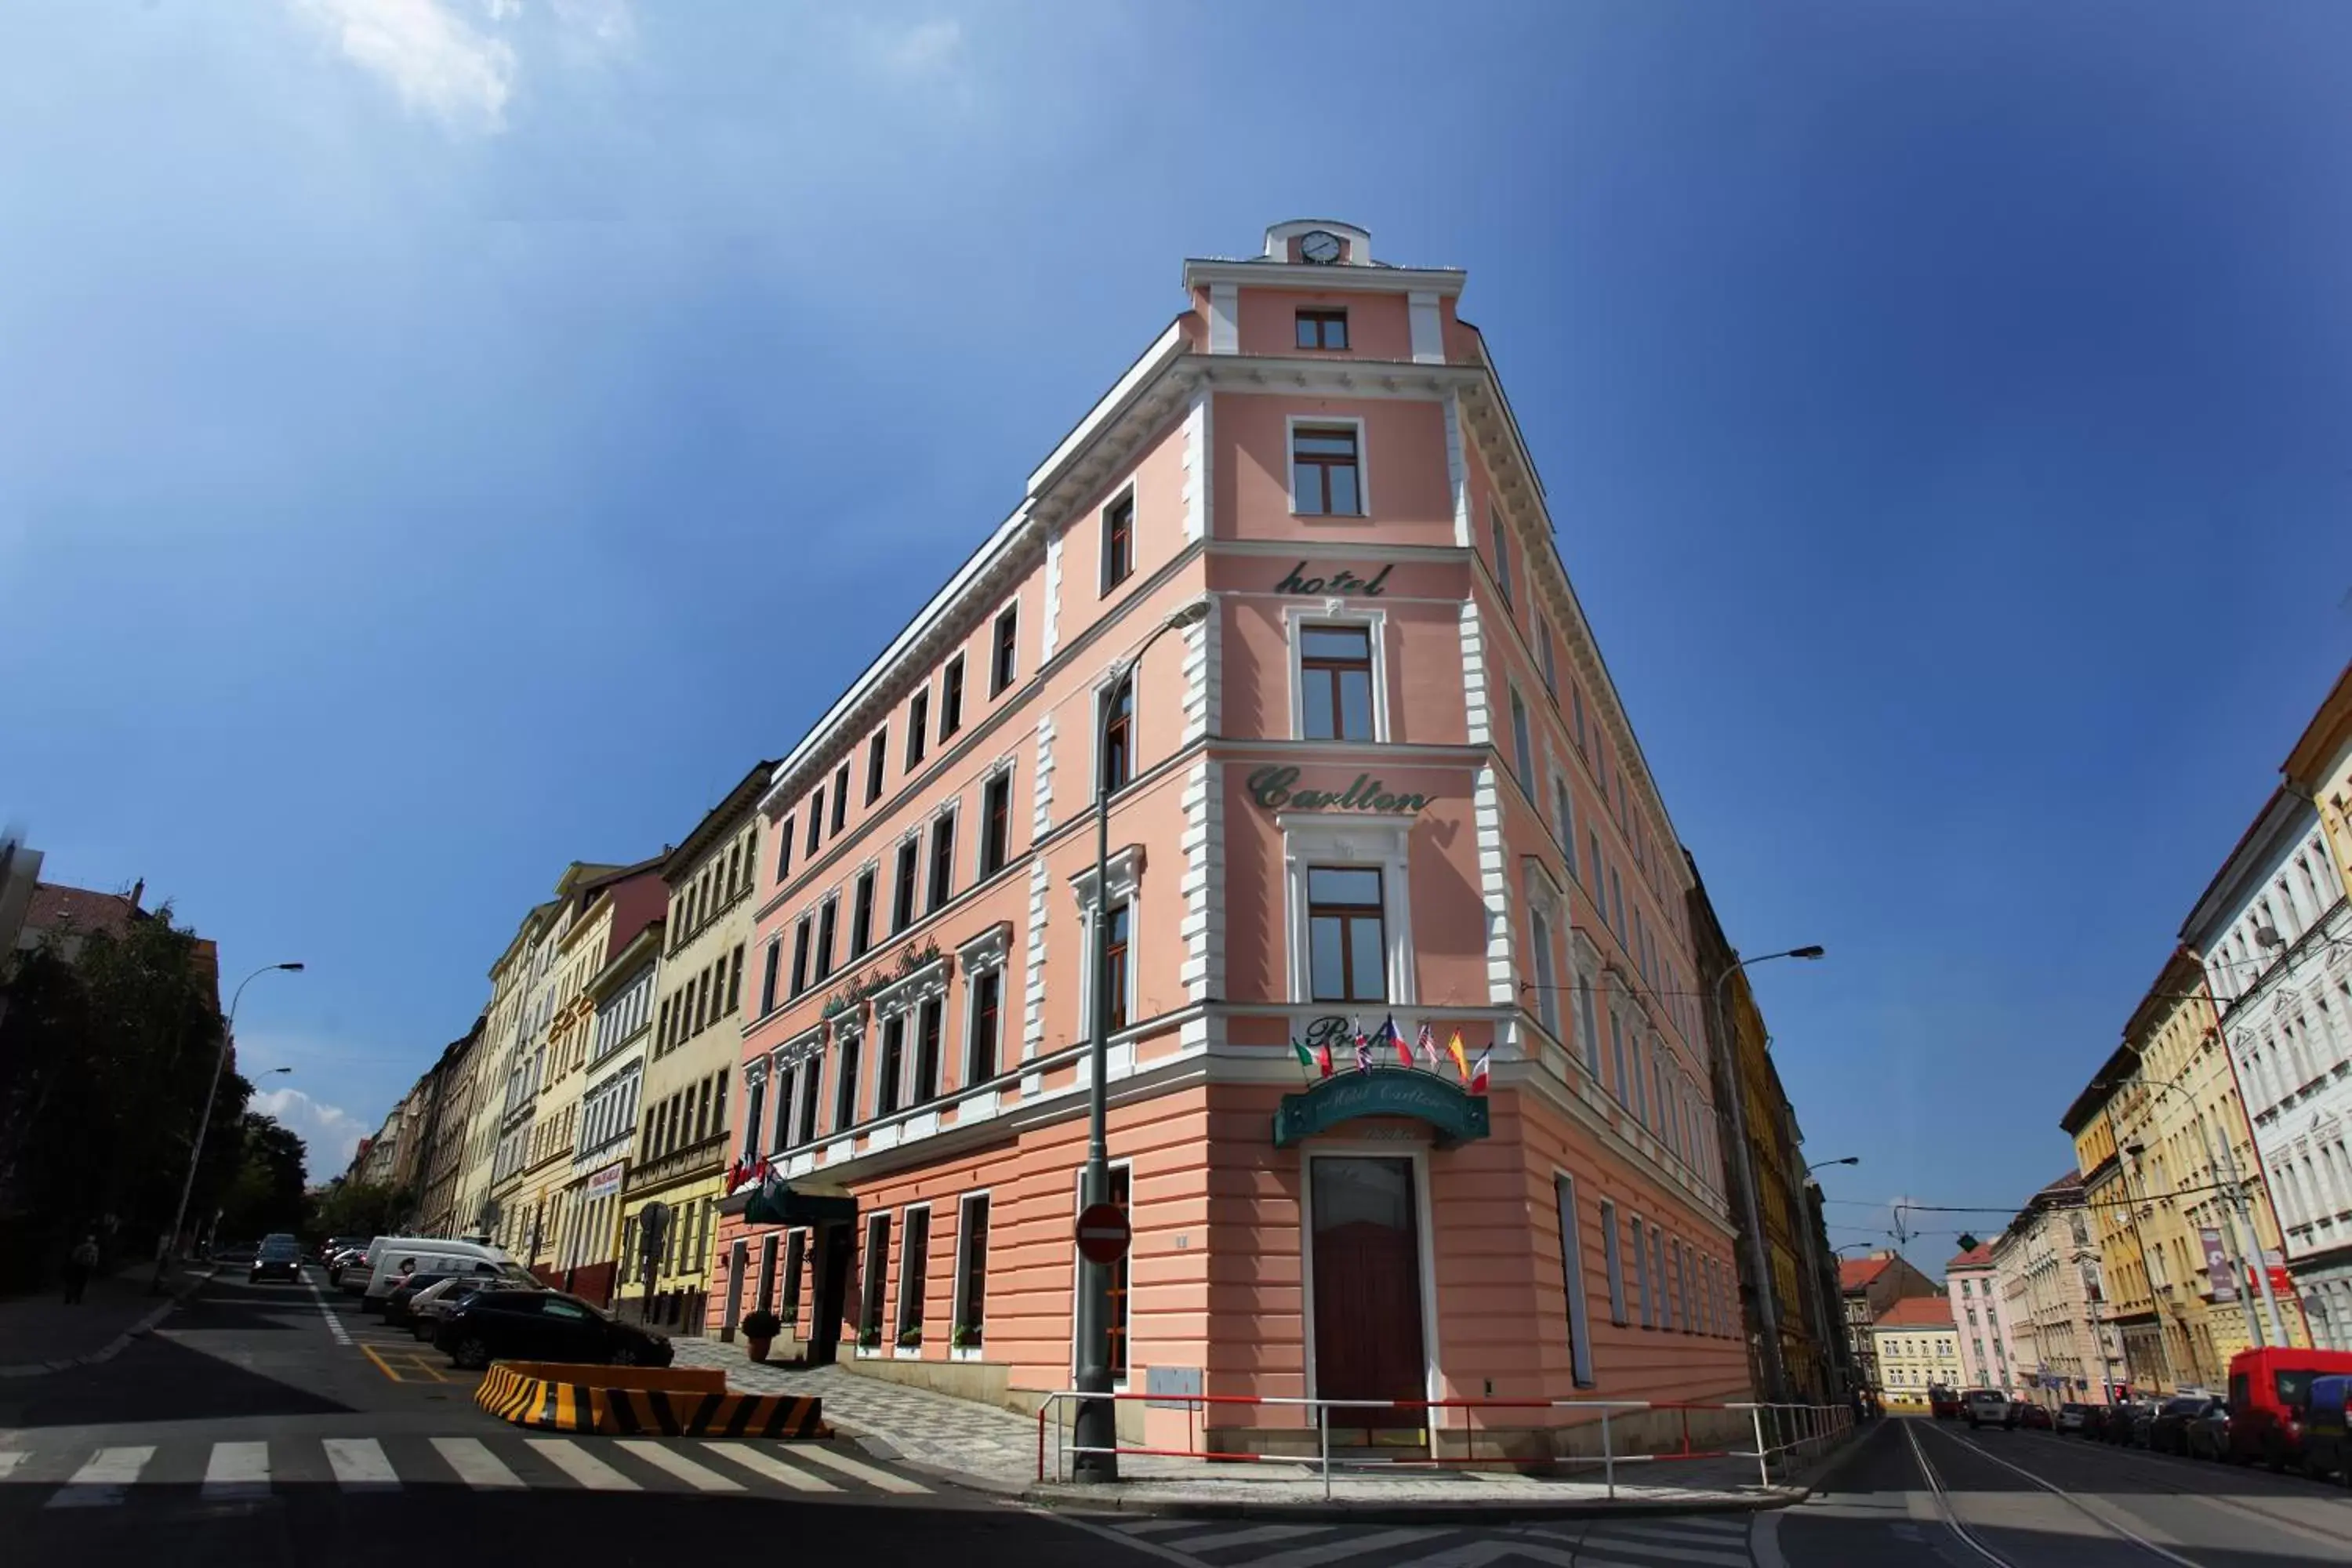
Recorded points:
266,1194
345,1207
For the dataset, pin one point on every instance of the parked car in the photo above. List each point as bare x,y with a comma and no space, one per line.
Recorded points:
2208,1436
278,1257
2032,1417
544,1325
427,1308
1989,1407
235,1252
400,1305
2167,1430
410,1257
2072,1417
2122,1415
2270,1390
1943,1403
2327,1444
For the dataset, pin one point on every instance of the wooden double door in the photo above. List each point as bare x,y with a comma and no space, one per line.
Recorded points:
1365,1248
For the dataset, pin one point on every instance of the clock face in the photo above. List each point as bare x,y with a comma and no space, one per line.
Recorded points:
1319,246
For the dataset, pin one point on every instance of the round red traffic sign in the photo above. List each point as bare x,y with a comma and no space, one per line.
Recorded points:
1103,1234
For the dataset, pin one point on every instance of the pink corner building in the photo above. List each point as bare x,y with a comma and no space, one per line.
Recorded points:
1385,780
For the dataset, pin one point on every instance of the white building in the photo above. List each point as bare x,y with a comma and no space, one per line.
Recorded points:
2274,935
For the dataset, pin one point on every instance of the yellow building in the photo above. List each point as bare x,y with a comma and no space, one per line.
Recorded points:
2123,1296
702,997
1917,1349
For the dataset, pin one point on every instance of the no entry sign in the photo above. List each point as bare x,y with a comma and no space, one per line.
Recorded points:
1103,1234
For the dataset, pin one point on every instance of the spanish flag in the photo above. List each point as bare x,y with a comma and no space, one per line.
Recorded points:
1460,1058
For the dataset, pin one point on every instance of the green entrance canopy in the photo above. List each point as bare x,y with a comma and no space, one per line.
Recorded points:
1459,1115
776,1203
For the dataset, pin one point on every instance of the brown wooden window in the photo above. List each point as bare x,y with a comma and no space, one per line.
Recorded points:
951,699
926,1085
942,859
816,822
840,797
902,893
1116,712
987,1007
971,1275
783,854
1008,650
801,956
861,917
735,981
918,725
1322,328
1324,480
1335,683
1347,946
1115,960
1118,541
887,1065
877,755
844,1084
995,822
826,921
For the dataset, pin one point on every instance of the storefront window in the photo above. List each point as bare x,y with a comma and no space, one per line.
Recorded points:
1346,938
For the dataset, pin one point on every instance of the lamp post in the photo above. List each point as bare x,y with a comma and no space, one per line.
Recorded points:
1096,1430
1825,1165
204,1120
1767,1310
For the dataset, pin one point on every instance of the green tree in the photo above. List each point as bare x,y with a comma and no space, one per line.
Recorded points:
266,1194
344,1207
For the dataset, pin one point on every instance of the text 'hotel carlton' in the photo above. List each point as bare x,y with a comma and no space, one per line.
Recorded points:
1385,780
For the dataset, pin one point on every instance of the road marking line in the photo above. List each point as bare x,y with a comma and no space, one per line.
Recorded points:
759,1461
1648,1543
581,1466
9,1460
334,1324
475,1464
1253,1536
359,1464
237,1470
882,1480
2098,1515
1156,1526
1348,1546
700,1478
99,1482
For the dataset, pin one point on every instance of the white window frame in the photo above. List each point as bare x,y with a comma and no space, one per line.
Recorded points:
1001,768
1363,512
982,955
1379,839
899,1317
1339,614
1105,683
1126,869
962,1252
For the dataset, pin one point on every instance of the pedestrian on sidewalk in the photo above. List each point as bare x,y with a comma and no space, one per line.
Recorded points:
80,1264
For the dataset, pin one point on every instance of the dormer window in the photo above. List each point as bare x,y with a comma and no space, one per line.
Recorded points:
1322,328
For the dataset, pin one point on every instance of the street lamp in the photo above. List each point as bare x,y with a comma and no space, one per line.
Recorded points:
1766,1309
1096,1430
205,1121
1825,1165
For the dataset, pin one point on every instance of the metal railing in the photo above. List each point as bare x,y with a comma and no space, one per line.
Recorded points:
1782,1434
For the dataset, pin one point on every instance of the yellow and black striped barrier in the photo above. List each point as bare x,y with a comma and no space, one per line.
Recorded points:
683,1401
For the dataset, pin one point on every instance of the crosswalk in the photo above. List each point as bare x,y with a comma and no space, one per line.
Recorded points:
1677,1540
251,1471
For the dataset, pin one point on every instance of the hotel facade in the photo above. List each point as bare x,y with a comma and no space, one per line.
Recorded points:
1375,774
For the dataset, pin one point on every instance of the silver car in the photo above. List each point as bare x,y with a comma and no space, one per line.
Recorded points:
1988,1407
427,1306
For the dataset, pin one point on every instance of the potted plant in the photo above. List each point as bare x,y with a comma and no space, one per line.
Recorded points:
964,1337
911,1338
869,1339
760,1330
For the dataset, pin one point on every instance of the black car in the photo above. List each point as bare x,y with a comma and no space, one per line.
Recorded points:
277,1259
544,1325
2167,1430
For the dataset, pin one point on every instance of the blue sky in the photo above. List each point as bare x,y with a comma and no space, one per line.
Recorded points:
439,438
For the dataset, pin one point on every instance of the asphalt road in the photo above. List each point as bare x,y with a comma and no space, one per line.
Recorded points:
1917,1491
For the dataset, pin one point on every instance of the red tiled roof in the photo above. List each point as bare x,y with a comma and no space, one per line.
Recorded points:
1916,1312
1853,1273
85,911
1977,1257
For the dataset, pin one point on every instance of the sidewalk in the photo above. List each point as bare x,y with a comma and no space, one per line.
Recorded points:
42,1334
992,1449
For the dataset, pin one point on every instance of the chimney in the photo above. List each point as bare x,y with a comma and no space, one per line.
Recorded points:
137,888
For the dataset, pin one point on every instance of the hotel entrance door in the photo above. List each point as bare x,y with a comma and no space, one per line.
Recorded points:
1366,1255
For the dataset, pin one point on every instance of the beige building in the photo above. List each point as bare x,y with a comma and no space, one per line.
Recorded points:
1916,1348
682,1152
2049,1270
472,1207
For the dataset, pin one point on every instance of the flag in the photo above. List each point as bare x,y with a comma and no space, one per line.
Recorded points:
1478,1071
1363,1049
1323,1055
1453,1049
1396,1038
1305,1056
1428,1047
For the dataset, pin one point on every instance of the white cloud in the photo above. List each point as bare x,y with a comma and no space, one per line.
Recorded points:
329,1132
438,63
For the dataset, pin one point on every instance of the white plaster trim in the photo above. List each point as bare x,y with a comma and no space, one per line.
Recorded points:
1197,465
1224,318
1380,840
1033,1006
1203,675
985,952
1428,327
902,994
1041,790
1126,871
1050,638
1290,423
1478,720
1494,886
1203,929
1296,617
1125,490
1457,469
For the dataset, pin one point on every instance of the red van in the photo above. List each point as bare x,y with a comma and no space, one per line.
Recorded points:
2270,1390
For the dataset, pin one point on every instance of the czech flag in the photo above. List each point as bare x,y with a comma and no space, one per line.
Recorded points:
1396,1038
1478,1071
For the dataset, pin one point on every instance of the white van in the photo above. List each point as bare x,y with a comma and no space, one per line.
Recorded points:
392,1259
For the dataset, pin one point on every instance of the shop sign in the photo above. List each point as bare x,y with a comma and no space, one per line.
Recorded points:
1341,581
1272,788
607,1182
2218,1272
1459,1115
